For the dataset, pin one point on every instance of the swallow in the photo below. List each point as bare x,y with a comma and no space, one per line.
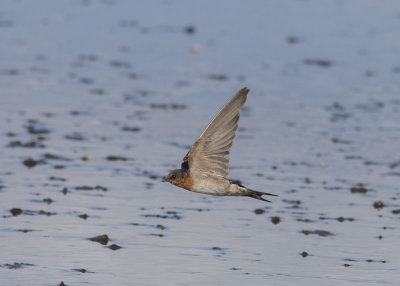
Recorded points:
205,168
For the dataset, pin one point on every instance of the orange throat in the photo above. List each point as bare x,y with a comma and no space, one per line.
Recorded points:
187,183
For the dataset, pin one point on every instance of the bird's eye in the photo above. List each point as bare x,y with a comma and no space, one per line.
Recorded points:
173,177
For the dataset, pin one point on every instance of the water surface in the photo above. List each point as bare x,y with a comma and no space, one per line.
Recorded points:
100,99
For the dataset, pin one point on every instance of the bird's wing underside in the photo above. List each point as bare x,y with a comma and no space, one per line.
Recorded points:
210,152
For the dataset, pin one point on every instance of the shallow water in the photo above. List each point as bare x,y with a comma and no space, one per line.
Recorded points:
100,99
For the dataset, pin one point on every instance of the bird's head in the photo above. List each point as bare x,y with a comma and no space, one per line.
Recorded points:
176,177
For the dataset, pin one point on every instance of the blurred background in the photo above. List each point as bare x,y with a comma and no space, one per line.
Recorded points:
100,99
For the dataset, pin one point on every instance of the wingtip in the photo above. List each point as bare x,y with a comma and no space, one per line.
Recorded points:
245,90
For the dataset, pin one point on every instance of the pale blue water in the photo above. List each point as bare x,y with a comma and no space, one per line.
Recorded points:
84,80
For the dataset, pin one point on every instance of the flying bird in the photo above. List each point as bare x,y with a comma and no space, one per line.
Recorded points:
205,168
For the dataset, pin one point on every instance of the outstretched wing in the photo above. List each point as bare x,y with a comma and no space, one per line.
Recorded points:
210,152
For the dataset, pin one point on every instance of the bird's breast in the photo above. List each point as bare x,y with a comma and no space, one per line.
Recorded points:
187,183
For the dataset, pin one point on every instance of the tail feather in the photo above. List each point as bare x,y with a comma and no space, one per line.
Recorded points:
239,190
258,195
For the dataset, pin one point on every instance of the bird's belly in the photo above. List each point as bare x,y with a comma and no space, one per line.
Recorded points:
212,186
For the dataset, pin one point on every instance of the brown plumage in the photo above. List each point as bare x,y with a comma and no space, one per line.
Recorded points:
205,168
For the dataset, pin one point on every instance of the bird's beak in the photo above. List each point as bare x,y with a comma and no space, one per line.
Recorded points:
164,179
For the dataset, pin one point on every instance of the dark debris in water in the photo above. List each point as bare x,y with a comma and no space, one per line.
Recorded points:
307,180
34,127
275,219
114,246
322,233
90,188
340,141
397,174
86,80
76,136
82,270
25,230
304,254
50,156
295,204
396,212
353,157
117,158
28,144
369,260
85,158
373,163
88,57
394,165
30,163
58,179
78,112
18,211
375,261
292,40
219,250
332,188
338,112
370,106
339,116
162,216
158,226
102,239
167,215
359,188
378,205
120,64
97,91
59,167
6,23
339,219
45,200
306,220
336,106
151,175
220,77
16,265
130,128
156,234
190,30
83,216
12,71
318,62
166,106
149,185
133,75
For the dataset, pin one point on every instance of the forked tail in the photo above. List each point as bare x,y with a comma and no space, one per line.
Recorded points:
258,195
239,190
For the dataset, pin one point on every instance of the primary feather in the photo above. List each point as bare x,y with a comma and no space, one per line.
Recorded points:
210,152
